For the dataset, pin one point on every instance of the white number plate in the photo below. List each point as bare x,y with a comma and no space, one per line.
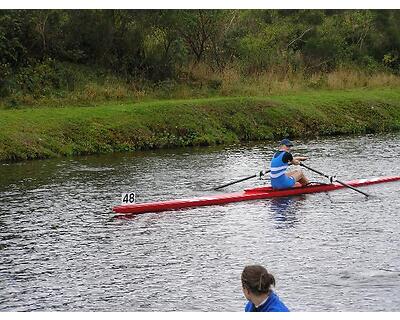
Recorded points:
128,198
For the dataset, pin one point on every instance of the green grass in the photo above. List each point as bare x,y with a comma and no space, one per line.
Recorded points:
32,133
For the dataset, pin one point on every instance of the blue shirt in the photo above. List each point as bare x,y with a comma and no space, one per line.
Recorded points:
279,164
273,304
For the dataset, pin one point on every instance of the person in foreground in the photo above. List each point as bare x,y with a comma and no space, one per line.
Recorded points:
256,285
280,179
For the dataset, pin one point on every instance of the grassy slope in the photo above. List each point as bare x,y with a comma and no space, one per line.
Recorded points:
49,132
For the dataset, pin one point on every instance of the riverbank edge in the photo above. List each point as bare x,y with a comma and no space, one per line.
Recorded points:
38,133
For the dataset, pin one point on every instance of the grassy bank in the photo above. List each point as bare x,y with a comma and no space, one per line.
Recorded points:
51,132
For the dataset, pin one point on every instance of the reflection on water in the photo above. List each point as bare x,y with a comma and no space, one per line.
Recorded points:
285,209
62,250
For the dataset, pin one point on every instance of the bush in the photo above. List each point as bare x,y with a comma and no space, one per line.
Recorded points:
42,78
5,83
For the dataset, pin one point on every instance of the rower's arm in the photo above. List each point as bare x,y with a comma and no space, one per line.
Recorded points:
297,160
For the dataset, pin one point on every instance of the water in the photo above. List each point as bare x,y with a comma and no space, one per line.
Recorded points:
62,250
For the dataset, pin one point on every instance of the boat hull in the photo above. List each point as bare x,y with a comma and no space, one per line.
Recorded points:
249,194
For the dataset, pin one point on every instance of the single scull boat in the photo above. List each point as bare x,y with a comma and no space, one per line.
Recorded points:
249,194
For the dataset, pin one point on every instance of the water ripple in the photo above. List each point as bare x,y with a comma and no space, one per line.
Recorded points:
62,250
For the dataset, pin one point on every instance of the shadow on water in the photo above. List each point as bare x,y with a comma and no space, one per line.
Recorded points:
285,209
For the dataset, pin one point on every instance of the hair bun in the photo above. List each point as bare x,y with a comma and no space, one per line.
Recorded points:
257,279
266,281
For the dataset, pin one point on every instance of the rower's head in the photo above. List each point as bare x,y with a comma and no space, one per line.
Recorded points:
256,281
285,144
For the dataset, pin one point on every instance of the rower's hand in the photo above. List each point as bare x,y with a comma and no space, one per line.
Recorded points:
301,158
296,160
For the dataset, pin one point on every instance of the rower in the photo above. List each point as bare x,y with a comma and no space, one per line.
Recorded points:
280,179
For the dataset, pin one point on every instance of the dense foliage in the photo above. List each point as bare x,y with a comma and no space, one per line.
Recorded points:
44,49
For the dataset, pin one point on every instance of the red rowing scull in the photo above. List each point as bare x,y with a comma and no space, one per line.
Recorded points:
249,194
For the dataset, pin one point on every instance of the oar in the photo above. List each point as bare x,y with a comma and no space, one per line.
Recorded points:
331,179
243,179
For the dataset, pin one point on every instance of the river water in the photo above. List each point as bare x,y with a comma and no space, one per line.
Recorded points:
61,249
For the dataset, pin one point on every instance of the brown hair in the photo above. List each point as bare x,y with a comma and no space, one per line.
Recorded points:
257,279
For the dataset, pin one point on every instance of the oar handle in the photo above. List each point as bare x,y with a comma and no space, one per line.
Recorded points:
316,171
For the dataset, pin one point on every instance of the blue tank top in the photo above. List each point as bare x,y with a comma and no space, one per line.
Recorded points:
278,167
